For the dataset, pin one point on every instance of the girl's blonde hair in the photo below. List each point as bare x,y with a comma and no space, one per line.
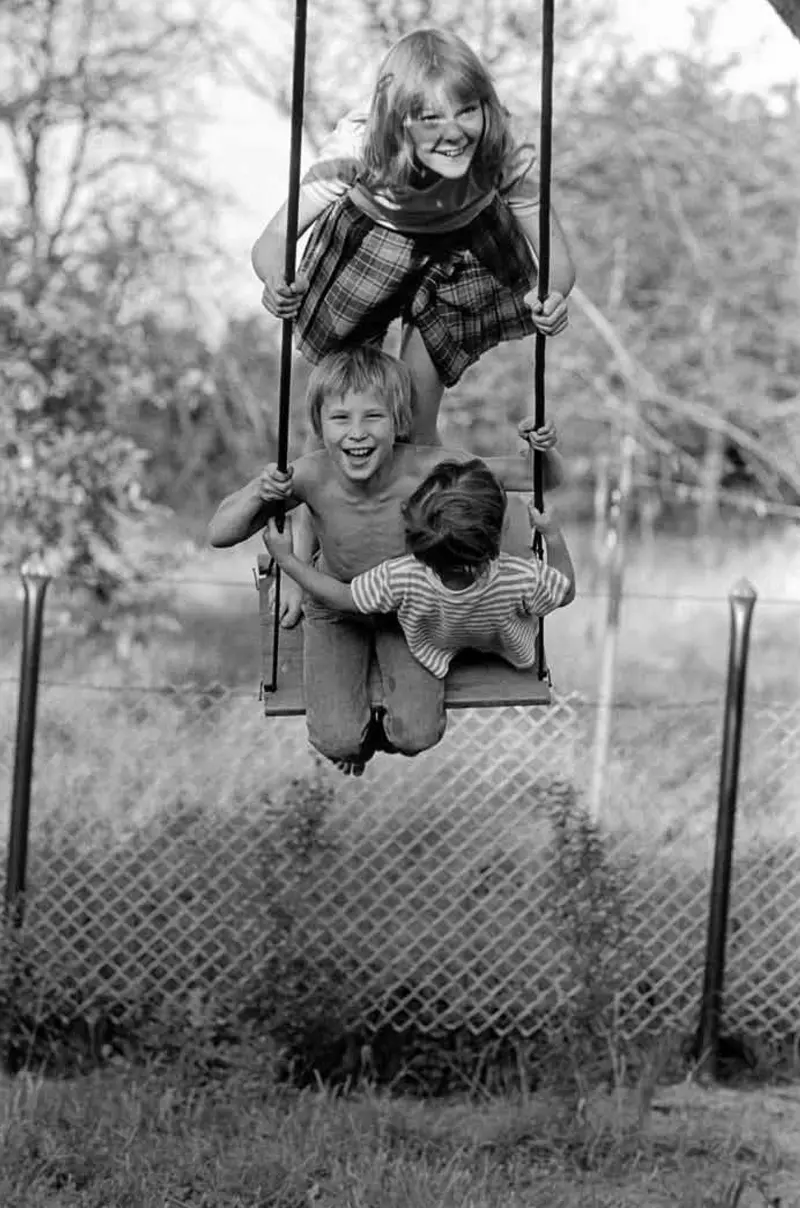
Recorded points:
419,62
356,370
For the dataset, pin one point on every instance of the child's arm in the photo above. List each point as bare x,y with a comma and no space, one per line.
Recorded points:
520,187
562,266
558,555
516,472
268,256
305,543
324,588
550,316
327,180
247,510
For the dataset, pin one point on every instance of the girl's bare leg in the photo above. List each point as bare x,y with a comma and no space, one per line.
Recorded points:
428,388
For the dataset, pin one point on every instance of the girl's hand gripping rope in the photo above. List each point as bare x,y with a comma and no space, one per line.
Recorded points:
281,299
551,316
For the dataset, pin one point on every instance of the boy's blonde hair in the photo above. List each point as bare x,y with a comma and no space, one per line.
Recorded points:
355,370
419,62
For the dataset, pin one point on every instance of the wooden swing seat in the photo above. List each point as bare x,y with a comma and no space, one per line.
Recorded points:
475,681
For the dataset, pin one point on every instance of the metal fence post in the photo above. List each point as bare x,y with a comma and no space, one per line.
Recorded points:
34,584
616,538
742,602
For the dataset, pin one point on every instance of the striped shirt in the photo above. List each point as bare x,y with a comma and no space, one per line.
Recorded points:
445,205
498,614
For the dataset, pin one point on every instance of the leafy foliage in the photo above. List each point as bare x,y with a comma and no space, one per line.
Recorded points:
680,197
102,215
679,194
69,473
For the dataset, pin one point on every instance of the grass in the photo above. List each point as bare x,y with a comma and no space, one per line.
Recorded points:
159,1136
170,848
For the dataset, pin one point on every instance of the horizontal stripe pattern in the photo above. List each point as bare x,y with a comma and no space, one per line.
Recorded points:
497,615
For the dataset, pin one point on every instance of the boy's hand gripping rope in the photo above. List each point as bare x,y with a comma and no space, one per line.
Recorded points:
292,205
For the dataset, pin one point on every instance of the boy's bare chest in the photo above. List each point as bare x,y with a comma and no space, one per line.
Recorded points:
356,534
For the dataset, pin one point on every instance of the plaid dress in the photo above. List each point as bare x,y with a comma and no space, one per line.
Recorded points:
462,290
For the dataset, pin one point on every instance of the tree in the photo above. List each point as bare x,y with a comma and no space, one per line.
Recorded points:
102,221
99,105
348,38
789,13
687,198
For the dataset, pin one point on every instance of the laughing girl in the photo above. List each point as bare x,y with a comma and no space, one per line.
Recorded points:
425,207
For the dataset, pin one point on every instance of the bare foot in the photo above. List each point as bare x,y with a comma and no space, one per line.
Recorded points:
375,740
377,735
350,767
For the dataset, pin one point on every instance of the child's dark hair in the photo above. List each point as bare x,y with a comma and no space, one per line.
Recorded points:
454,519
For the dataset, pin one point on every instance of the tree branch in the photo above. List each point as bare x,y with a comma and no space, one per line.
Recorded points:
647,388
76,167
789,13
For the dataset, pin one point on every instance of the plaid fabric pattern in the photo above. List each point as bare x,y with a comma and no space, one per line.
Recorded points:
463,291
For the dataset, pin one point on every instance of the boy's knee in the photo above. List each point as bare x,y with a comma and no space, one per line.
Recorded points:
412,733
338,742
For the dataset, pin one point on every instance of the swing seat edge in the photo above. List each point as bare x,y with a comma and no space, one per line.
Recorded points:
475,681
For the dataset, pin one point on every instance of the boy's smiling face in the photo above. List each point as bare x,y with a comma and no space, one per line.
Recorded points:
358,434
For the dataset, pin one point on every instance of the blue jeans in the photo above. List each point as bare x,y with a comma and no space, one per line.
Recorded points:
339,649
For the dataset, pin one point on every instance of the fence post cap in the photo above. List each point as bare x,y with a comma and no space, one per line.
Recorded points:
743,590
34,567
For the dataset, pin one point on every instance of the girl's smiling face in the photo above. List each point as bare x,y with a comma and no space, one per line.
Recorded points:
446,134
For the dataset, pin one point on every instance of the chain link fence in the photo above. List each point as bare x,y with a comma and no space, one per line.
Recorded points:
179,842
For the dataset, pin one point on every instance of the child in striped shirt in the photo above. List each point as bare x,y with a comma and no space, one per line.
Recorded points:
455,588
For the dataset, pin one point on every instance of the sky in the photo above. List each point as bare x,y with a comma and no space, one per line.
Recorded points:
247,147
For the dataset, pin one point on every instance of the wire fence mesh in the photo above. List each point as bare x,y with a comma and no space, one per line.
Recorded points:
179,841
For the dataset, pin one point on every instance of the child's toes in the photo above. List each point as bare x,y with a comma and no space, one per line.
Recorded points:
349,767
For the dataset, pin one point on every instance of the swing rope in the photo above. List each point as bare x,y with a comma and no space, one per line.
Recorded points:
292,206
543,281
